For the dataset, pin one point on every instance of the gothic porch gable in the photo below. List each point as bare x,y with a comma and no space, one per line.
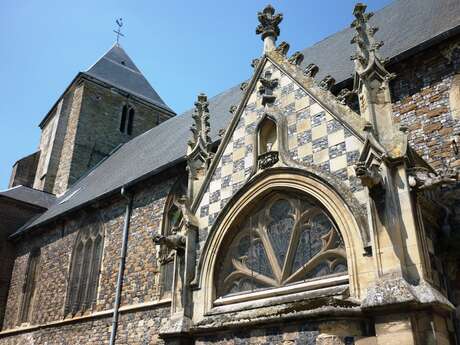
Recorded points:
318,134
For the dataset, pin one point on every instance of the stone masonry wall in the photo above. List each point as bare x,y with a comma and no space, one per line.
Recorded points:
98,131
141,276
135,328
421,101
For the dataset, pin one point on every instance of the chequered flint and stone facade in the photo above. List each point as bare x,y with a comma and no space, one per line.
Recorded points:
394,202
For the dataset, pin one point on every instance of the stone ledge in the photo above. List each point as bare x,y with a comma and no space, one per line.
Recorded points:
397,291
93,316
317,307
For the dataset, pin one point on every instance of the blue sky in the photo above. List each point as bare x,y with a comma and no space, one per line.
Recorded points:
182,47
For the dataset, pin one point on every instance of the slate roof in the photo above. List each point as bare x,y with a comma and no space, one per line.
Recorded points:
404,25
30,196
116,68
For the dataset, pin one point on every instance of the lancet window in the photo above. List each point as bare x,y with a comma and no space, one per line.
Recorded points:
287,239
127,119
30,281
171,221
85,269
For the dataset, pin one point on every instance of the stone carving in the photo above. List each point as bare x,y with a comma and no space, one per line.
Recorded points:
199,153
344,96
173,242
232,109
266,88
421,178
255,63
296,58
283,48
311,70
369,175
448,52
243,86
327,83
269,23
268,159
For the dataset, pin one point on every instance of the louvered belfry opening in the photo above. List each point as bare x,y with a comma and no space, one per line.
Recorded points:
85,268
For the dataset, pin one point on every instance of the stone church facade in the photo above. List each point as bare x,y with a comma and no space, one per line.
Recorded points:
303,206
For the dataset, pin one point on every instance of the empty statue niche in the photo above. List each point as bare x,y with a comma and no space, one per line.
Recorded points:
267,143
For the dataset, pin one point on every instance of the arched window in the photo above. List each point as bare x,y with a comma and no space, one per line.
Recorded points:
171,221
129,127
127,119
267,136
28,288
85,267
286,240
124,115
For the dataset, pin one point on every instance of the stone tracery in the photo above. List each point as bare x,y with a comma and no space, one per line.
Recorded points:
289,239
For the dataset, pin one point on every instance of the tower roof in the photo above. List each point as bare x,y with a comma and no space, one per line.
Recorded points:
116,68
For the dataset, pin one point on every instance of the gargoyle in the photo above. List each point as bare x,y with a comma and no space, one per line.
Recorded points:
175,241
424,179
369,176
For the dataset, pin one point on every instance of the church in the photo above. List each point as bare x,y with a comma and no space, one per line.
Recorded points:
316,203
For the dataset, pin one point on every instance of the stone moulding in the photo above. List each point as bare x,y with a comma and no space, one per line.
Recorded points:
281,178
386,293
97,315
272,294
327,303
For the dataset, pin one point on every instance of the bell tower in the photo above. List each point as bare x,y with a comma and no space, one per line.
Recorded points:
102,108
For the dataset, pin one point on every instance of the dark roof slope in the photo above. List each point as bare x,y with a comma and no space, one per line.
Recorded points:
116,68
413,22
30,196
403,24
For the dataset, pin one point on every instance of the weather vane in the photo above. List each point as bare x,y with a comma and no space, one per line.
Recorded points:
118,31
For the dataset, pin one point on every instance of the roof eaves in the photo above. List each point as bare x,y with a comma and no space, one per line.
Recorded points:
29,225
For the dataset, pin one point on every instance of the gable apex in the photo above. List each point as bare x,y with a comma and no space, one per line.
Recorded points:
116,68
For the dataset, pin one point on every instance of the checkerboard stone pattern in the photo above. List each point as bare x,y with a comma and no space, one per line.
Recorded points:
314,137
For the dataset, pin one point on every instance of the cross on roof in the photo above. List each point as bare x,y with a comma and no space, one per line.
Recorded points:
119,23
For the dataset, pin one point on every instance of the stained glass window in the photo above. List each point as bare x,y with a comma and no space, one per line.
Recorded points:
284,240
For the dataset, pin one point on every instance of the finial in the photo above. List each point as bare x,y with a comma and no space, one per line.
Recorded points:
119,23
200,129
367,47
269,27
